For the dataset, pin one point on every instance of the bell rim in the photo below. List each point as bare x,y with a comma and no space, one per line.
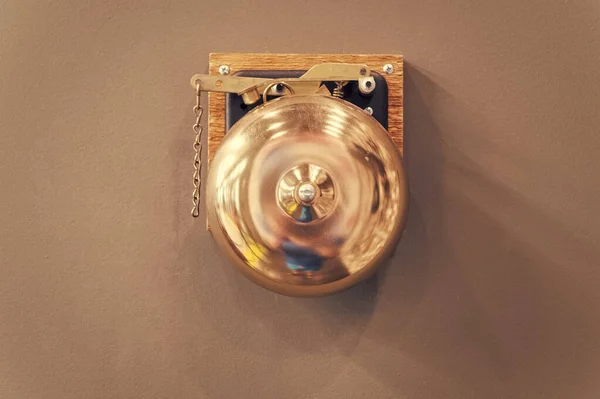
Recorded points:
322,289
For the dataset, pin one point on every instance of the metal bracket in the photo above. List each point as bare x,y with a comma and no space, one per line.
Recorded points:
311,82
377,100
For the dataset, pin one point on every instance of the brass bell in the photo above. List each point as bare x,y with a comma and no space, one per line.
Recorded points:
307,194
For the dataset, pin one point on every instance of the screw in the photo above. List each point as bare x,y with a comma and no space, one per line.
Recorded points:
388,68
369,110
307,192
224,69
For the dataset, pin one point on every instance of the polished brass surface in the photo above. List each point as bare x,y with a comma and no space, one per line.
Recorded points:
309,83
306,195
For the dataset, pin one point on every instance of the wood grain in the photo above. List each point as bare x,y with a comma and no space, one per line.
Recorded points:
252,61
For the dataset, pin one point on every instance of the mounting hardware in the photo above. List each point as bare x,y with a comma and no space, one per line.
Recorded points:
369,110
224,69
367,85
388,68
310,82
236,108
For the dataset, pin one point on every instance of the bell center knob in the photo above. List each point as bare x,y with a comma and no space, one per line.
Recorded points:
306,193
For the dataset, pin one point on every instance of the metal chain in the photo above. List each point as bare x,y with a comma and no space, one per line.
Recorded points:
197,128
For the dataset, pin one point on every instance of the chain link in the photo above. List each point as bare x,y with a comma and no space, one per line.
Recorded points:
197,128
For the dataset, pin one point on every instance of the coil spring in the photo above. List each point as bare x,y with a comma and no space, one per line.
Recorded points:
339,89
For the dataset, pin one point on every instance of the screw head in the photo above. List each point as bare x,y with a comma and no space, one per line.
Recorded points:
224,69
307,192
388,68
369,110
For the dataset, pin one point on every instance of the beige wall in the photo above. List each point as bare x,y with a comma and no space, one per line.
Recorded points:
109,289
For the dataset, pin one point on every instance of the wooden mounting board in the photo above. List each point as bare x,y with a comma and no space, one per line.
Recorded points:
253,61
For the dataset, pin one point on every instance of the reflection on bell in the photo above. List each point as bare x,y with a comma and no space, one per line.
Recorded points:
307,194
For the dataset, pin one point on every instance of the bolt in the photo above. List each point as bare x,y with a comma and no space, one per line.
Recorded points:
369,110
224,69
388,68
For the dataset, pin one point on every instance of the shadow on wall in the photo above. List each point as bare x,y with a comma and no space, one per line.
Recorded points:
498,313
478,301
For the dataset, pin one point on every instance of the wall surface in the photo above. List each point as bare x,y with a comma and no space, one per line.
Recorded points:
109,289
